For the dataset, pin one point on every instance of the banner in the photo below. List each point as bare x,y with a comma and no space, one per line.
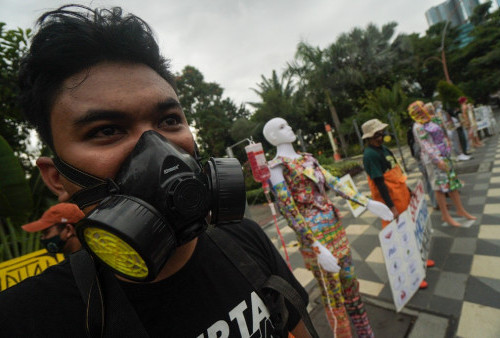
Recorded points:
15,270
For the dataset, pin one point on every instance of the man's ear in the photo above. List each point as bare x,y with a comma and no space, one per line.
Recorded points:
52,178
71,230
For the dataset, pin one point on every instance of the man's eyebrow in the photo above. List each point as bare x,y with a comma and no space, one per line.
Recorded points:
93,115
168,104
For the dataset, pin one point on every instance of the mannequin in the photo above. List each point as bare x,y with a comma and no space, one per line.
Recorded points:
436,153
471,123
300,185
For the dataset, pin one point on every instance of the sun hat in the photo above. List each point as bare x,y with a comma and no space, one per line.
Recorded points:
59,213
372,126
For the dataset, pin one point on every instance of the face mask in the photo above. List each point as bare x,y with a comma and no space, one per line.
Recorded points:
159,200
418,112
53,244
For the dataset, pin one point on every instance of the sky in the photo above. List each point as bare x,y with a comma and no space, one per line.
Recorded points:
234,42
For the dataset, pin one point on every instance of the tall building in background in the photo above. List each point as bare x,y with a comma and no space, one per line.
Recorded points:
455,11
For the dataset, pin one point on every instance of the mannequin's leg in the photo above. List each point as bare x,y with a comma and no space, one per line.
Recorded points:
445,214
331,296
455,197
352,299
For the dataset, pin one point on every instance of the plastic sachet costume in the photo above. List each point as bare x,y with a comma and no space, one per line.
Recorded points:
300,185
435,147
436,154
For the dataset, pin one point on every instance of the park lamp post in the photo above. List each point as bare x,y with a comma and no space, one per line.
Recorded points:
443,55
329,131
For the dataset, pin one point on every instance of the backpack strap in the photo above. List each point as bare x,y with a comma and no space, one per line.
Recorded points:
278,284
259,281
87,282
100,291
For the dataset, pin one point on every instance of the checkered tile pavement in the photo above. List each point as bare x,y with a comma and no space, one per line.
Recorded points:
464,286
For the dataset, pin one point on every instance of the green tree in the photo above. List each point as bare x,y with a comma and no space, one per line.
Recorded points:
22,200
207,111
480,13
278,99
449,94
332,79
13,43
381,101
480,60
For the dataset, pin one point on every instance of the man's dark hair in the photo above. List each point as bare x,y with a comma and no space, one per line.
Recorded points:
74,38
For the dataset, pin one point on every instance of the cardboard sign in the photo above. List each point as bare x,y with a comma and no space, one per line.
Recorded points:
402,259
355,208
15,270
406,246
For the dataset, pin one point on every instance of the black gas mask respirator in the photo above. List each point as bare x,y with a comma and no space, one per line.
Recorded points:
161,198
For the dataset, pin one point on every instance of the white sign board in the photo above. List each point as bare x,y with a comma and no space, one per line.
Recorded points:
405,245
402,259
422,226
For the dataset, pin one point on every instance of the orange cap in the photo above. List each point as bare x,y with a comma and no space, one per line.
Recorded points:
59,213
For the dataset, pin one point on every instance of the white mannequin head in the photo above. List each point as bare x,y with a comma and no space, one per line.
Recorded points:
277,131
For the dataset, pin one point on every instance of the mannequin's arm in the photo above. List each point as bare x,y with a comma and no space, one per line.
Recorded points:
343,190
379,209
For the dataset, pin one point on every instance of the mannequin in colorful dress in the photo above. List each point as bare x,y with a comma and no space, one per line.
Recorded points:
436,152
300,184
471,123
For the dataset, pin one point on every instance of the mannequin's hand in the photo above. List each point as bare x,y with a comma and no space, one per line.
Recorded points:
326,260
442,165
380,209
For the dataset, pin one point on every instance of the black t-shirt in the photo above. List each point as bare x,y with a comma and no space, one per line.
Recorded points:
208,297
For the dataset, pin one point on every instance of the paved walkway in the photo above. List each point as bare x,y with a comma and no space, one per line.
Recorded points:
463,297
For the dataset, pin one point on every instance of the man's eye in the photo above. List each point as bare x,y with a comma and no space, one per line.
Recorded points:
108,131
169,121
104,132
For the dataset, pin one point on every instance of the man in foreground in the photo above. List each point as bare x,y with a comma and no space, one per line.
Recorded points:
101,96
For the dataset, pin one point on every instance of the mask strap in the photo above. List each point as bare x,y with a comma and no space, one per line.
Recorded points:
94,189
75,175
197,156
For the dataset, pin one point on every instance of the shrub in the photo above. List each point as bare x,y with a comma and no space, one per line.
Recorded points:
256,196
449,94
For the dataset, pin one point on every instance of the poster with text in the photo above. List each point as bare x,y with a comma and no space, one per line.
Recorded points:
421,221
15,270
355,208
402,259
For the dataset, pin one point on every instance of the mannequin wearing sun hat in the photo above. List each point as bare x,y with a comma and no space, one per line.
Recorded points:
57,226
386,179
300,184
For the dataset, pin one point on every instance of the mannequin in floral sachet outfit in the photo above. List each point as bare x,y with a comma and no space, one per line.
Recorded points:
300,184
436,153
